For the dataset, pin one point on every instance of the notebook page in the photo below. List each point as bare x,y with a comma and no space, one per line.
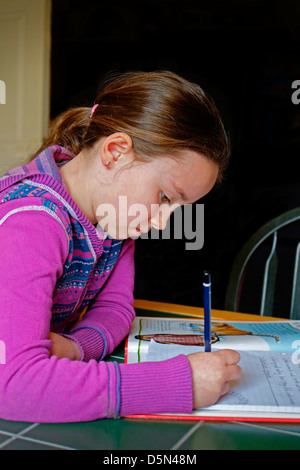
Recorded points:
270,382
270,379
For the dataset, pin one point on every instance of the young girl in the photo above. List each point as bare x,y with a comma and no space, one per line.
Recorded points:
67,277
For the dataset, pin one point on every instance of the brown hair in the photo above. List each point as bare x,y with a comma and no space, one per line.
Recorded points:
162,113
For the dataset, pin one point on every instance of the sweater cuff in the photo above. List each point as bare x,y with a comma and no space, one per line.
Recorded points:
90,341
156,387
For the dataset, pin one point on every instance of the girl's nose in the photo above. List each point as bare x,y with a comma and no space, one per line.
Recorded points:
160,217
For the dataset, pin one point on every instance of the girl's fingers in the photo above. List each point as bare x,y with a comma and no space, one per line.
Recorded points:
230,356
234,372
225,389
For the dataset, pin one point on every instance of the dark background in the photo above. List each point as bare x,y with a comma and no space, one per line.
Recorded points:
245,54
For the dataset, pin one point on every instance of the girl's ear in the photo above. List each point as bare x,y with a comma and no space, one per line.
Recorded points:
115,146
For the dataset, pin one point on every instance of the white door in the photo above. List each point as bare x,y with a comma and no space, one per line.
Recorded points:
25,41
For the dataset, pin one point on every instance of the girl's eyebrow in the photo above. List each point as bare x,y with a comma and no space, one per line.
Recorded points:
180,192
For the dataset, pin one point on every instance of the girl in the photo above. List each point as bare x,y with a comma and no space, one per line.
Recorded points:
66,283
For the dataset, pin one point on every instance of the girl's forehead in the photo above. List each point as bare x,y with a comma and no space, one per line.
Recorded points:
194,172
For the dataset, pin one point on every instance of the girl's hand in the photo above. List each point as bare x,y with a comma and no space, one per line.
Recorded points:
211,373
64,347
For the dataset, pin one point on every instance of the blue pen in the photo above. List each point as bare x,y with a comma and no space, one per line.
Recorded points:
207,310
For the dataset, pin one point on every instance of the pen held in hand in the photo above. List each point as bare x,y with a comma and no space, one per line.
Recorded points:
207,310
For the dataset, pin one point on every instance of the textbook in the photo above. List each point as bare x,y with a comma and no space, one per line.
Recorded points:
269,389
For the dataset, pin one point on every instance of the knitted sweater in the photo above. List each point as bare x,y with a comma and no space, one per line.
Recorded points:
55,266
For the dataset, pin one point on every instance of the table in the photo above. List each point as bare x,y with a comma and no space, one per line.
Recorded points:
149,435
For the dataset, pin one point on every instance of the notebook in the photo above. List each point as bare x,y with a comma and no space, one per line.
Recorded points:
269,389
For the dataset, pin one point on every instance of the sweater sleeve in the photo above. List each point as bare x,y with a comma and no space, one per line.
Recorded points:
108,320
37,387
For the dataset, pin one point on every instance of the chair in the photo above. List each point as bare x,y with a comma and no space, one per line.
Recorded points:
269,235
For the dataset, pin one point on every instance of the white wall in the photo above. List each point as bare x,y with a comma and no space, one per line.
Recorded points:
25,42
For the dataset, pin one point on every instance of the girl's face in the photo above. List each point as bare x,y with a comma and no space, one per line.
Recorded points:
142,195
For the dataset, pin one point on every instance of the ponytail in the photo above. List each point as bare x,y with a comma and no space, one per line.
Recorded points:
68,130
162,113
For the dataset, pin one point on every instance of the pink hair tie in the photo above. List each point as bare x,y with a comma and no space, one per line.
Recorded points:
93,110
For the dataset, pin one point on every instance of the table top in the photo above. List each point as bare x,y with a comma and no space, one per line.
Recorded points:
154,435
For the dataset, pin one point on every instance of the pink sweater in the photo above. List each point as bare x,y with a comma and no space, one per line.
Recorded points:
36,387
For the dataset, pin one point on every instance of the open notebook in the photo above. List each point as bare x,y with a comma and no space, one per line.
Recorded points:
270,358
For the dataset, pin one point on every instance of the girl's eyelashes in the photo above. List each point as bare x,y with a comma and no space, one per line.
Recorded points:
164,198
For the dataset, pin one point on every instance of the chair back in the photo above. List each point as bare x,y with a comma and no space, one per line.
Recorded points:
268,234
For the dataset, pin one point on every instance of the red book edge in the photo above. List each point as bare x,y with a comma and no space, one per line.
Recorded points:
213,418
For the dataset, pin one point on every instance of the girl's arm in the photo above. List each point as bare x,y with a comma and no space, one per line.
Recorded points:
35,386
108,320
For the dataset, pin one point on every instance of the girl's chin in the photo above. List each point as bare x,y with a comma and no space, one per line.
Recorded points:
134,233
123,233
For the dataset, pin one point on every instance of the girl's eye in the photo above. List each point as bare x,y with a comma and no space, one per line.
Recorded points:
165,198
